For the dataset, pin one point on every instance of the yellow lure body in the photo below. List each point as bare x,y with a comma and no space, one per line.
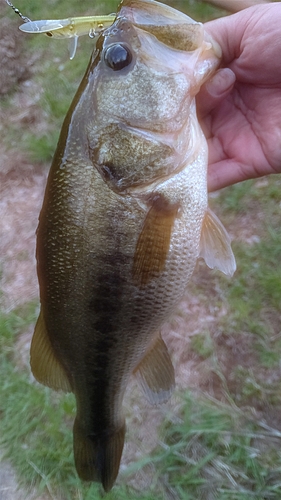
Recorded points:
70,28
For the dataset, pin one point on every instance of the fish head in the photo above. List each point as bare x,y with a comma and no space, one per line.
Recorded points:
147,68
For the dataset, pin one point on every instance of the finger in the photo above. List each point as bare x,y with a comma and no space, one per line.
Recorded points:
237,36
214,91
228,32
230,171
236,5
225,173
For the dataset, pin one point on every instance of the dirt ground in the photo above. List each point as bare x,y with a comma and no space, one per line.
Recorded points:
21,193
22,186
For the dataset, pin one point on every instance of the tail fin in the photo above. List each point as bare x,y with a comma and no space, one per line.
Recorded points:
97,458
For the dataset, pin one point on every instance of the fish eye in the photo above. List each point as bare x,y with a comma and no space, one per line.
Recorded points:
48,33
118,56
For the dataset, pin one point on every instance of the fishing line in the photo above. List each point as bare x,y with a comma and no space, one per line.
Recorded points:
24,18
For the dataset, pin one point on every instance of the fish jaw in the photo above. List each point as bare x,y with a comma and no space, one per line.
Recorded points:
155,16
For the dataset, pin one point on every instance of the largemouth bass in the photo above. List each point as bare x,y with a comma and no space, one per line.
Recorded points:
124,219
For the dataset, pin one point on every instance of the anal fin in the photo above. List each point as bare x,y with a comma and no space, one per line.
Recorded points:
44,365
155,373
215,246
97,457
154,241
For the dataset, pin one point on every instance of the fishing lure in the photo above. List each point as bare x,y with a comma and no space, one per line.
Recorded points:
72,27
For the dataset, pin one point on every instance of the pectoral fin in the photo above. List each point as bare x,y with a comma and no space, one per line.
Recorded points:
215,246
155,373
44,365
154,241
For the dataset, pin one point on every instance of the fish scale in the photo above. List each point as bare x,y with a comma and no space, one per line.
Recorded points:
124,219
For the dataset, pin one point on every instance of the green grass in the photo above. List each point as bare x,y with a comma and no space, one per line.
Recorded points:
224,446
212,447
223,441
215,448
56,76
202,344
35,422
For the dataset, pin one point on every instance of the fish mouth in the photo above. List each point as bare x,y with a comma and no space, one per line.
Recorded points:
170,26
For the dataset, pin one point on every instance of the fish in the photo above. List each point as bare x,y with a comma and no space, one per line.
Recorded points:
124,220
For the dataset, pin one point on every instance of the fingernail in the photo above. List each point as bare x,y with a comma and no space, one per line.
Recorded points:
221,83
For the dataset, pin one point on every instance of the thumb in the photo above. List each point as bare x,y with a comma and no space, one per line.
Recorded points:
214,91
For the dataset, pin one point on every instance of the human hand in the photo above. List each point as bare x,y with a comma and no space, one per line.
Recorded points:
240,108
